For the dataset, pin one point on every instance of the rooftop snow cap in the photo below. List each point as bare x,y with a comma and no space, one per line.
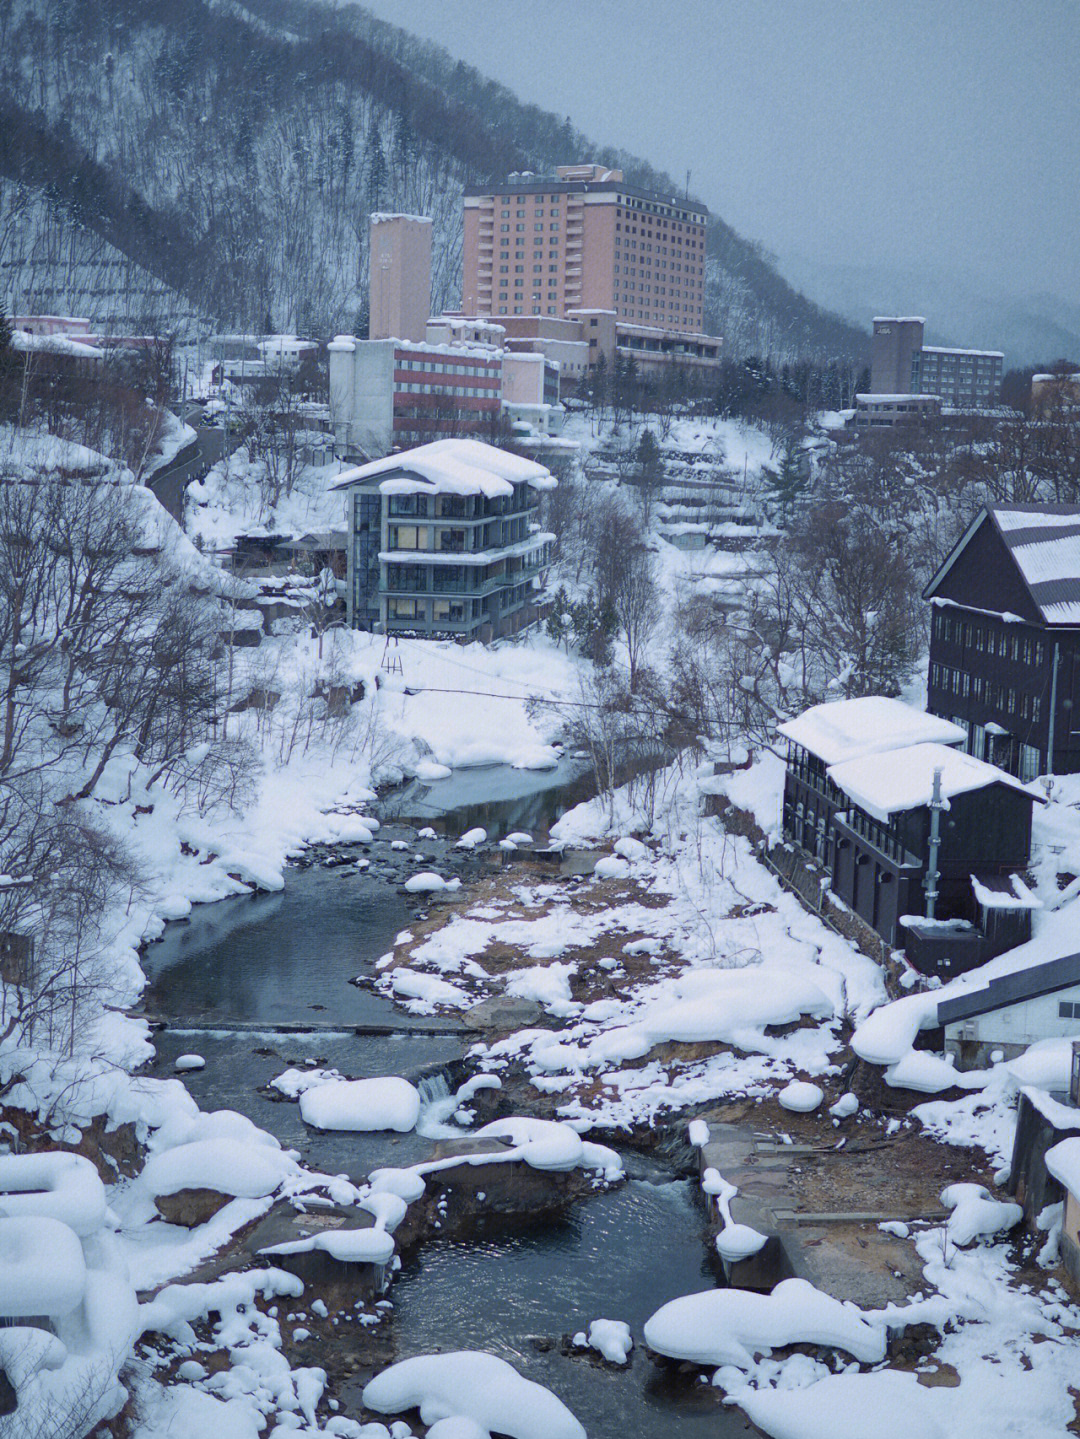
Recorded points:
451,467
904,778
1045,543
846,729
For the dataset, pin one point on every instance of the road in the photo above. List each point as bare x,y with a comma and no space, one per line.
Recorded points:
169,483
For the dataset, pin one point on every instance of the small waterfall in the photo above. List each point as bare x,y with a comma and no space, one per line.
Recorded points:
433,1088
437,1104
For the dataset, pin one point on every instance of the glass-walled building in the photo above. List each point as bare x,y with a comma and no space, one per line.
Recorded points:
445,541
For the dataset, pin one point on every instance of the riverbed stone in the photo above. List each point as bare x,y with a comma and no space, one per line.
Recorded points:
191,1207
467,1199
504,1011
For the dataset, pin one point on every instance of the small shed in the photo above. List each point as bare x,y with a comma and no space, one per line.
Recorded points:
1013,1011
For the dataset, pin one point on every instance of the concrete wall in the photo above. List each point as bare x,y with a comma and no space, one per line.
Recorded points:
523,379
362,396
892,345
399,277
1070,1242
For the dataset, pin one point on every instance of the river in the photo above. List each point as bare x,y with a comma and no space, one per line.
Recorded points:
240,975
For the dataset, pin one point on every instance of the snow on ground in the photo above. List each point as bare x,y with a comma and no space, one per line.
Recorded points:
718,952
237,497
697,943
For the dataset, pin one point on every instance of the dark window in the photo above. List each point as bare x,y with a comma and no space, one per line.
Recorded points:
408,504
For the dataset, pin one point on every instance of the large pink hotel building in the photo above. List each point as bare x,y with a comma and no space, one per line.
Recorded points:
584,240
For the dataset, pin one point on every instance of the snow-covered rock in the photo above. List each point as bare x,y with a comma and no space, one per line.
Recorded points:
472,1385
976,1214
698,1133
227,1166
845,1106
731,1326
612,866
184,1063
609,1337
348,1246
800,1097
362,1104
42,1269
427,882
53,1185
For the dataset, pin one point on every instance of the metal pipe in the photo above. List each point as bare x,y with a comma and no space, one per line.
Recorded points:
930,883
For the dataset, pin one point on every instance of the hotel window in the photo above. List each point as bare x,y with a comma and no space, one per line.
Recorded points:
406,609
504,228
408,537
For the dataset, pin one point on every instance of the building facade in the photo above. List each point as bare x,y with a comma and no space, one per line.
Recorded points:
1005,638
859,799
444,541
1041,1001
885,411
399,277
901,365
894,342
388,394
584,239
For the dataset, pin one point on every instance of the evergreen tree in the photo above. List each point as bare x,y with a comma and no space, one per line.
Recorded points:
786,484
376,175
649,471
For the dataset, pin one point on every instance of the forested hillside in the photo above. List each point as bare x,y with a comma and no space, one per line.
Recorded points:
168,156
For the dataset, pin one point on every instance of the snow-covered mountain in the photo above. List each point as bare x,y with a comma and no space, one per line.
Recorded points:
170,156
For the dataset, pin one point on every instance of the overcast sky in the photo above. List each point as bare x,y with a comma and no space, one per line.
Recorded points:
936,133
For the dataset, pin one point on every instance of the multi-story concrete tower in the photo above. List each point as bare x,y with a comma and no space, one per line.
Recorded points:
584,240
399,277
895,341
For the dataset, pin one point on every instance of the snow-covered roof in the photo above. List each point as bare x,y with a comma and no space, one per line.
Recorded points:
451,467
381,217
928,400
845,729
903,779
1063,1162
1044,541
899,319
27,341
286,345
1014,988
948,350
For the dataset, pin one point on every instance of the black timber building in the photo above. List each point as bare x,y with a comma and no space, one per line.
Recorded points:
1005,638
858,800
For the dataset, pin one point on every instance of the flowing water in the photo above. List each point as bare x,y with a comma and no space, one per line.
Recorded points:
236,977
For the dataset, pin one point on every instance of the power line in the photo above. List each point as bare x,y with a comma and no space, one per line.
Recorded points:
489,695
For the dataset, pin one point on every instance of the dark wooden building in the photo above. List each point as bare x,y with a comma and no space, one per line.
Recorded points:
1005,638
858,798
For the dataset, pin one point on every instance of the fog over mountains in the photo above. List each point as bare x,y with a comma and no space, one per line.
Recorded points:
164,160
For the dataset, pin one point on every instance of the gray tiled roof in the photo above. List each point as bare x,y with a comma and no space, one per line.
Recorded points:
1012,989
